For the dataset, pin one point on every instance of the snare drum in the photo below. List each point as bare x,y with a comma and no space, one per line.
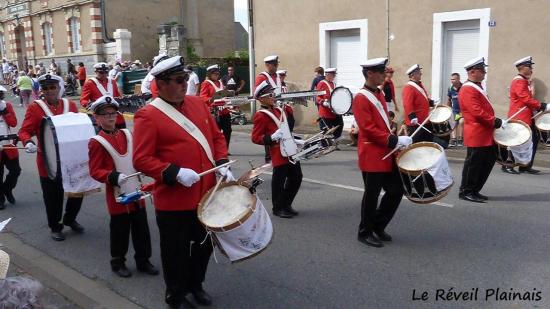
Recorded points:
425,172
514,145
442,121
64,149
542,123
340,100
238,220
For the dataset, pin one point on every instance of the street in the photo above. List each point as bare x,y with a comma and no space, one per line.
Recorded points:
315,260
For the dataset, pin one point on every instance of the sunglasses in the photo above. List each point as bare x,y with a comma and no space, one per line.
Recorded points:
108,115
270,95
46,88
180,79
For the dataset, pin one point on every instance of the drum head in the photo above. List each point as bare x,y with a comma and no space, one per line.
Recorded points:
231,203
49,148
543,122
515,134
340,100
441,114
419,157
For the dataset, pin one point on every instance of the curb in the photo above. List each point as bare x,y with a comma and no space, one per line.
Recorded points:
80,290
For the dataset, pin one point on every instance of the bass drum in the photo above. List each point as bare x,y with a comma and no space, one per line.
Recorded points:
340,100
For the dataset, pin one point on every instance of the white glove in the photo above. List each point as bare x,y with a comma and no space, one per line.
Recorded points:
30,148
187,177
277,135
414,121
225,171
504,124
121,179
299,142
403,141
325,103
2,105
547,107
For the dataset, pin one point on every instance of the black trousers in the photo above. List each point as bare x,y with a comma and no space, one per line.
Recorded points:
376,217
224,123
327,123
422,135
183,264
285,183
121,226
52,192
14,170
536,141
477,168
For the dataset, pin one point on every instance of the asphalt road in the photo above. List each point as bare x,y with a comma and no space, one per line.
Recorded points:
315,261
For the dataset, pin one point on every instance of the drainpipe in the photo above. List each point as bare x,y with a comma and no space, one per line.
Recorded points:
388,28
106,38
251,60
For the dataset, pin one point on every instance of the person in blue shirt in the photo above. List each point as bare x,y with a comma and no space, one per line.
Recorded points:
452,101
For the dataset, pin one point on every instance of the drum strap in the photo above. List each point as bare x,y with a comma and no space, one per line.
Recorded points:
276,86
476,87
216,88
48,111
420,89
186,124
378,106
328,85
100,87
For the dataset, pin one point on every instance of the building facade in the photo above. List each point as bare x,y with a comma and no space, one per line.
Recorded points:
439,35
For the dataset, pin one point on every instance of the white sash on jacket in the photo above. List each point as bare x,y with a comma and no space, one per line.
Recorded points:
374,100
47,110
476,87
422,91
216,89
101,89
328,85
276,85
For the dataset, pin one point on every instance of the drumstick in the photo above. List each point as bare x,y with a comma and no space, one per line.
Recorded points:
132,175
516,113
213,191
13,147
216,168
537,114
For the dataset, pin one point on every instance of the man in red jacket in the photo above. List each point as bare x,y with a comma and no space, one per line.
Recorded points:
416,105
375,141
479,125
110,162
52,189
175,138
9,158
521,96
209,87
328,118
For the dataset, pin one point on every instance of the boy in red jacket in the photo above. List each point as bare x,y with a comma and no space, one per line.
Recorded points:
8,157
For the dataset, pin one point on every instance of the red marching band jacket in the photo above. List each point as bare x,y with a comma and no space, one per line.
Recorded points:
325,112
90,93
375,138
9,117
31,127
208,91
415,102
262,129
521,96
102,166
162,147
479,116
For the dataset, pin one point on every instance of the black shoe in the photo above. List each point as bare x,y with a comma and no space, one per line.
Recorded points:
76,227
201,296
481,196
529,171
292,211
148,268
383,236
122,271
471,198
58,236
370,240
283,213
9,197
509,170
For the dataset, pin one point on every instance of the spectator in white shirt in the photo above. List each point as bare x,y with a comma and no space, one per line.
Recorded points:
193,83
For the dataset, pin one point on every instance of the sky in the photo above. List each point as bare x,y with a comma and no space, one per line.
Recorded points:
241,13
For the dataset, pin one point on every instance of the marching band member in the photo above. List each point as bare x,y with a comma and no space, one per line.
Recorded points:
521,96
110,162
9,158
375,141
175,138
479,125
98,86
52,190
416,105
288,108
328,118
209,87
287,177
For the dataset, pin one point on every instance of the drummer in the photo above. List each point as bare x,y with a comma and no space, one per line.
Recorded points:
52,190
172,149
416,105
479,125
209,87
9,158
112,170
287,177
288,108
521,96
328,118
375,141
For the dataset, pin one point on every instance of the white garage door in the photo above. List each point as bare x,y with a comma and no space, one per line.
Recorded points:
345,55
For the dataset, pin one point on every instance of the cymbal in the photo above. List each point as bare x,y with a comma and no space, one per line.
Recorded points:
255,172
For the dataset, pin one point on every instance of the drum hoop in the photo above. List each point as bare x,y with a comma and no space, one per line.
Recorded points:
538,117
350,96
233,225
451,116
48,121
515,121
413,146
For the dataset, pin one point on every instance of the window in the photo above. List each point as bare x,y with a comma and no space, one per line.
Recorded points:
47,28
75,34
